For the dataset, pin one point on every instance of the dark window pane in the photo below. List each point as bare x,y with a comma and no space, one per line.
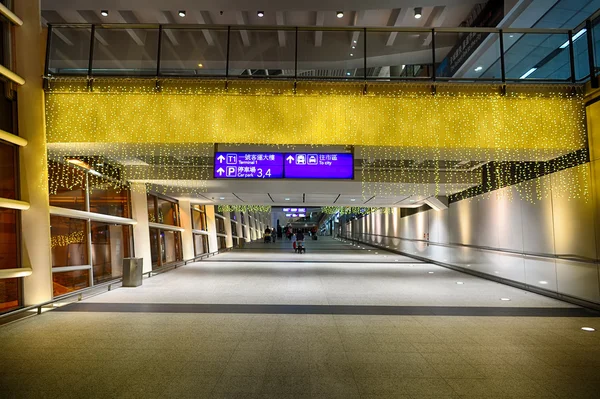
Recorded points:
69,241
8,239
234,231
65,282
66,186
222,242
154,234
220,223
110,244
108,200
200,244
7,171
199,217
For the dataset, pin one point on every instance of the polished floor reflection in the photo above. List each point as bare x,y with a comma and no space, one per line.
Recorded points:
251,355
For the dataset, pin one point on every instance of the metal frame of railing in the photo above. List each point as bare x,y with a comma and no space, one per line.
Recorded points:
108,285
433,31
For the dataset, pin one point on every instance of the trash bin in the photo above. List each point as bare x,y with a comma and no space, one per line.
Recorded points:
132,272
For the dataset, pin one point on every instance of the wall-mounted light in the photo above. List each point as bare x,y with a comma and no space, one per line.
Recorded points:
340,14
182,13
104,13
418,12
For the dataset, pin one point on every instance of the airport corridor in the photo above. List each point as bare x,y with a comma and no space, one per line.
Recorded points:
341,321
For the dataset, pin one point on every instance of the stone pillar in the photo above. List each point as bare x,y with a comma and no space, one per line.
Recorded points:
30,42
141,231
187,237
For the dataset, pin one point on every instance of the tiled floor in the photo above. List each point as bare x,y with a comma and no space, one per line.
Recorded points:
199,355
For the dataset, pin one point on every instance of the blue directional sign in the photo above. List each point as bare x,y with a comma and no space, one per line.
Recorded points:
248,165
319,166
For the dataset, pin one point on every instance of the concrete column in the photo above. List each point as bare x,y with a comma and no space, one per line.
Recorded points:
30,44
211,226
141,231
187,237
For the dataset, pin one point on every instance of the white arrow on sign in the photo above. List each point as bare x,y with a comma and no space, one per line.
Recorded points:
290,159
221,158
220,171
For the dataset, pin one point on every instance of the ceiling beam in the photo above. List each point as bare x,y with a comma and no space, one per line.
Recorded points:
73,16
240,17
116,17
203,18
58,33
358,19
319,34
280,19
397,22
436,19
161,18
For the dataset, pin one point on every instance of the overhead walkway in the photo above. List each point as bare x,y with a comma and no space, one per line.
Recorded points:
263,322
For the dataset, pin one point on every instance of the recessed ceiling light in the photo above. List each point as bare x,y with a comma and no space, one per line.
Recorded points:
200,65
459,283
182,13
589,329
412,201
287,199
479,68
543,282
222,198
260,14
348,74
418,12
353,46
352,199
511,35
104,13
505,299
340,14
351,55
430,272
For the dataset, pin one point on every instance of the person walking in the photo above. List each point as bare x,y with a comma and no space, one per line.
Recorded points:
293,238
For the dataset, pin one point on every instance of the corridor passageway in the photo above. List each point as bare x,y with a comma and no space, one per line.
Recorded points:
263,322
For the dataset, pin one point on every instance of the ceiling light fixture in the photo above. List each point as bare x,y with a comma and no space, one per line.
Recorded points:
340,14
352,199
479,69
459,283
200,65
287,199
351,55
260,14
430,272
526,74
347,73
182,13
222,198
104,13
588,329
418,12
505,299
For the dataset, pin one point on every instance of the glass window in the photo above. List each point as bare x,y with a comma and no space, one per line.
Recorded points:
171,246
232,215
167,212
110,244
220,224
154,250
222,242
242,217
9,288
200,244
234,231
65,282
151,208
236,241
108,200
68,241
66,186
199,217
8,180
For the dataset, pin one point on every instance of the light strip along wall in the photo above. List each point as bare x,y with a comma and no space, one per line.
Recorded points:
395,115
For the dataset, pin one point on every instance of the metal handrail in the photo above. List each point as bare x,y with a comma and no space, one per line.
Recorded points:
569,257
108,284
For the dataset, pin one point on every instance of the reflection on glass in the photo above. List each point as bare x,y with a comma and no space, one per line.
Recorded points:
70,51
7,171
125,51
200,244
107,200
222,242
70,191
167,212
110,244
220,223
68,241
151,199
65,282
